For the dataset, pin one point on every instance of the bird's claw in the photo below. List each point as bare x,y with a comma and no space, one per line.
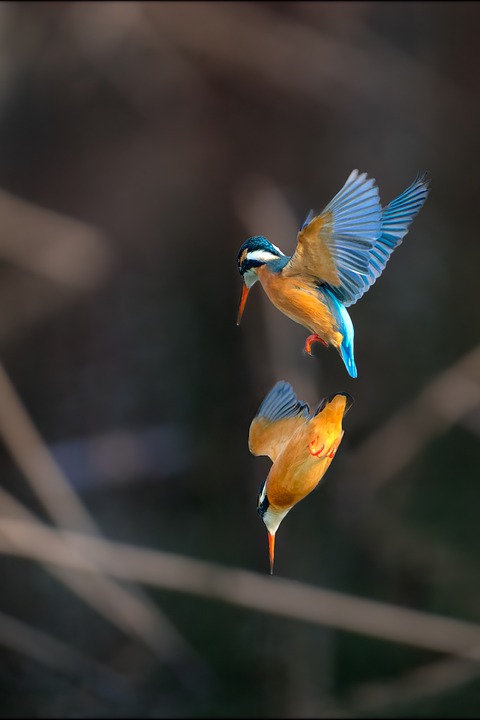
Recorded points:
313,450
309,342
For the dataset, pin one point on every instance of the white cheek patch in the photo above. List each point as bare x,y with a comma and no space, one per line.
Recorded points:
262,494
278,250
263,256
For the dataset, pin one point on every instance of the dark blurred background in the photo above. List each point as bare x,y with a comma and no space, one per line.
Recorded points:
140,145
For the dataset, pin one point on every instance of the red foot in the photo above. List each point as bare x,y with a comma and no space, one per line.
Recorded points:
314,451
319,453
313,339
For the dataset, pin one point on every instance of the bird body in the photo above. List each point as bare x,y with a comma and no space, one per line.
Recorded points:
314,307
302,301
301,448
339,255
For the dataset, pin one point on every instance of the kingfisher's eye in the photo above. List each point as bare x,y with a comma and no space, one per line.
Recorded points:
262,500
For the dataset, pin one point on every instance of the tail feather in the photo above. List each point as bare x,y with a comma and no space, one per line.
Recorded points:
345,325
346,351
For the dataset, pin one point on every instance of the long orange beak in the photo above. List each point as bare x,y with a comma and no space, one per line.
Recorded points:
271,550
243,300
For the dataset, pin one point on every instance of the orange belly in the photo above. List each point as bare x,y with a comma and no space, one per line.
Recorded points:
302,303
288,482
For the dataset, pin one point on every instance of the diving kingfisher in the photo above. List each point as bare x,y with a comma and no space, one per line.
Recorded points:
339,255
301,446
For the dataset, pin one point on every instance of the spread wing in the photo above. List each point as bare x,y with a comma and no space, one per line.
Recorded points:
336,245
396,219
279,415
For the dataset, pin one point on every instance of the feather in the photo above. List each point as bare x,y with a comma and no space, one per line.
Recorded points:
396,219
279,415
339,240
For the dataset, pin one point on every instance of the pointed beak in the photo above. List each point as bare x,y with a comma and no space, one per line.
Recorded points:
271,550
243,300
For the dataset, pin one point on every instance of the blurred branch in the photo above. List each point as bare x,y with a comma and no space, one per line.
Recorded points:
134,613
239,587
50,259
419,684
122,455
65,251
36,462
115,604
60,657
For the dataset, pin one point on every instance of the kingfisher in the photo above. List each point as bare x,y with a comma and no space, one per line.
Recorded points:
300,445
339,254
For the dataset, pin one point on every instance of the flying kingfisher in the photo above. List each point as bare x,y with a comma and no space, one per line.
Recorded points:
339,255
300,446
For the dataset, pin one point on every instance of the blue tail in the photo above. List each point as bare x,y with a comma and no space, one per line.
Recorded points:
345,326
346,351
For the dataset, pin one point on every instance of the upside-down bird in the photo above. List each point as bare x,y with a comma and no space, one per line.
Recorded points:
300,446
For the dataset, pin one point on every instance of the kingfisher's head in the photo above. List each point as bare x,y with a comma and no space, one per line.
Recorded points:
255,252
272,517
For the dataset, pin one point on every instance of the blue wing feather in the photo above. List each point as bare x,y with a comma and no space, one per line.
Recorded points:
351,227
356,217
395,221
281,402
309,217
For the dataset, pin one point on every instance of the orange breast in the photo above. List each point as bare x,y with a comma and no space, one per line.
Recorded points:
301,302
295,473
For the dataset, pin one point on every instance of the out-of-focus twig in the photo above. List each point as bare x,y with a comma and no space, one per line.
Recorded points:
72,256
60,657
65,251
132,611
239,587
36,462
418,684
113,602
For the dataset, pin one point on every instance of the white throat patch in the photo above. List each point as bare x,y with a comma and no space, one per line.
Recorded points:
273,518
250,278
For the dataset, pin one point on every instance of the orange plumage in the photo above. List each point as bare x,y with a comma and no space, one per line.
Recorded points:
301,448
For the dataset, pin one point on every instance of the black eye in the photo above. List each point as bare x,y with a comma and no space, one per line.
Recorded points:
262,505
